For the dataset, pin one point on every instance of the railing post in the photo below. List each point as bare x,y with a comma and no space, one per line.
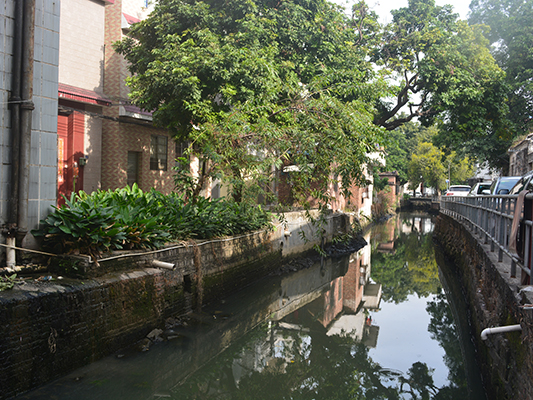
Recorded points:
492,231
486,219
527,240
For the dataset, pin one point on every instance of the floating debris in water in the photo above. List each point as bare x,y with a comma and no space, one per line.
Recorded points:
144,345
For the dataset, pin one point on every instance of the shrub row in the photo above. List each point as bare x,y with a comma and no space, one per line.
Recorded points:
129,218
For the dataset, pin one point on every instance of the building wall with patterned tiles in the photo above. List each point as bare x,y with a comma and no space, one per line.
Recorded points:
81,66
123,137
124,134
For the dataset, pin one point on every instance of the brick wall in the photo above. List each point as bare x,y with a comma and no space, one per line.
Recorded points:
122,134
49,329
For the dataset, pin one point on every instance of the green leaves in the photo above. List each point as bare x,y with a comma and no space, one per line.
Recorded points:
256,84
426,165
511,34
129,218
7,282
446,73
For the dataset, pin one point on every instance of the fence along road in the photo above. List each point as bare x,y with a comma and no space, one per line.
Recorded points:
491,219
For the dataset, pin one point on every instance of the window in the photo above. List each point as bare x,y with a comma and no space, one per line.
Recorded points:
133,167
158,153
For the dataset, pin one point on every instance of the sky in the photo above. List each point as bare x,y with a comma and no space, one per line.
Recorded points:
383,7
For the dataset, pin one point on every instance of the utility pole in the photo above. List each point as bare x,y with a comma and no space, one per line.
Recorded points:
449,175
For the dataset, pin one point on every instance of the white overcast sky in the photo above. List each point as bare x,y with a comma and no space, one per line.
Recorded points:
383,7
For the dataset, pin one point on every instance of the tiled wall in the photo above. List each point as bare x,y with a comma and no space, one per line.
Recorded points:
6,43
43,161
82,44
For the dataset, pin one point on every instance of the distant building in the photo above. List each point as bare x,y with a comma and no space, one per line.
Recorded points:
521,157
393,179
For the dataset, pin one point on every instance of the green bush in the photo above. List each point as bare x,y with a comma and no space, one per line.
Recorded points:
129,218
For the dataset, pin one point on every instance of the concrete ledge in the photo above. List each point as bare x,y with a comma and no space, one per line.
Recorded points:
495,299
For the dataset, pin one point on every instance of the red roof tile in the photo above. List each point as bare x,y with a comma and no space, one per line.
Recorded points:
82,95
131,20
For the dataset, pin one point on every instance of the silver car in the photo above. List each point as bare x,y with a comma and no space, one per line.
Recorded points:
502,185
478,188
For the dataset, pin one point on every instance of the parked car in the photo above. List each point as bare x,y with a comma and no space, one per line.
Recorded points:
478,188
458,190
524,183
502,185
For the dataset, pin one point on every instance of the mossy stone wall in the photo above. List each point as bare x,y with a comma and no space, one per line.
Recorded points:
506,360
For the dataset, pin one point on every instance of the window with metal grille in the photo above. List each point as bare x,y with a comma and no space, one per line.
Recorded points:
158,153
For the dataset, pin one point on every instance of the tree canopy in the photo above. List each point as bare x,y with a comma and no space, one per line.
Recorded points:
412,153
511,35
402,145
252,84
445,71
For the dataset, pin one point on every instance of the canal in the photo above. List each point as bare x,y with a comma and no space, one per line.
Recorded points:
386,322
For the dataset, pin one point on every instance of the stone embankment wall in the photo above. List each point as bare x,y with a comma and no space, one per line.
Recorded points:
51,327
496,299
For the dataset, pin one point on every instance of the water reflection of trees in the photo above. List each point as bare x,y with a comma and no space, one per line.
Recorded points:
410,269
443,329
305,363
311,365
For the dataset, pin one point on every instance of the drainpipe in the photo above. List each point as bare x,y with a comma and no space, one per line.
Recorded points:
27,107
10,252
15,101
499,329
15,105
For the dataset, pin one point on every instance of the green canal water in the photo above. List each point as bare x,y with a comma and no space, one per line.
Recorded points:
386,322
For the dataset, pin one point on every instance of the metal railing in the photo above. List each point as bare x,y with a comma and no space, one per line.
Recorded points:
490,218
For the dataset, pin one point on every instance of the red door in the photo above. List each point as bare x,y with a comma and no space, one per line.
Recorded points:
70,145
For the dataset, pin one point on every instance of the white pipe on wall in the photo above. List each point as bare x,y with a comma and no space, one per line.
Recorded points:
162,264
499,329
10,252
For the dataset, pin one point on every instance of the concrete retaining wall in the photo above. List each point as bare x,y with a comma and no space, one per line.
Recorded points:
49,328
506,360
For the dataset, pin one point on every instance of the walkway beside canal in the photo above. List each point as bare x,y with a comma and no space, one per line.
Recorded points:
477,240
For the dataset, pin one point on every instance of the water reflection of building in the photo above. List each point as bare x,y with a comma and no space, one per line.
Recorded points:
272,355
387,235
337,297
421,224
360,295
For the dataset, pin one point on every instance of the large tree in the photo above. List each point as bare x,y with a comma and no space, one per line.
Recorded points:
256,83
426,167
444,70
402,144
251,84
